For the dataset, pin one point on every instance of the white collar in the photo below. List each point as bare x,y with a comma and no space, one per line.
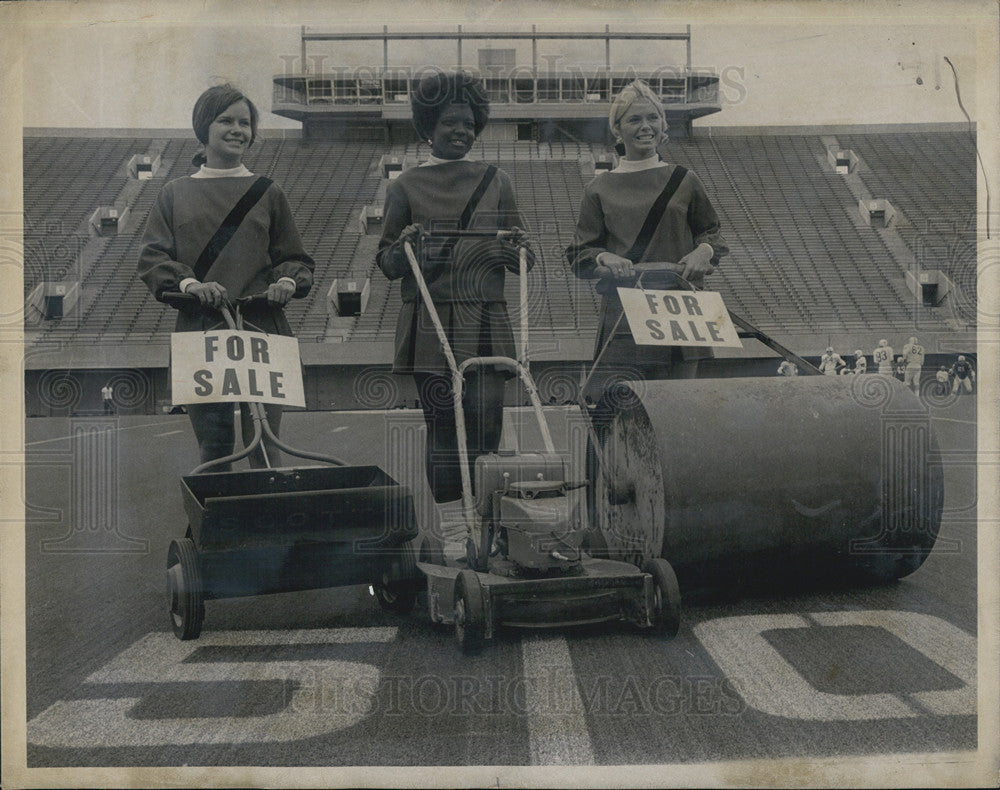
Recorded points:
635,165
433,160
229,172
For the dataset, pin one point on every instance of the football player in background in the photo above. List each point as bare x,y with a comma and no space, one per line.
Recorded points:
962,373
943,379
882,356
913,359
831,362
787,368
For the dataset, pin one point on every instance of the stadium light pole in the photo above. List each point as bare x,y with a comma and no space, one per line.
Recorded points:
534,53
687,70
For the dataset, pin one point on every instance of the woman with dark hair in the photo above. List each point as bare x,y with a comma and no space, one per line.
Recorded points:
669,203
465,277
182,250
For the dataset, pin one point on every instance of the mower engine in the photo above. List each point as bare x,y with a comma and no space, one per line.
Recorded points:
523,497
542,533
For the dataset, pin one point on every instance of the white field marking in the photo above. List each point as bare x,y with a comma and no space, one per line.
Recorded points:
557,727
514,409
943,643
329,695
383,412
767,682
168,433
66,438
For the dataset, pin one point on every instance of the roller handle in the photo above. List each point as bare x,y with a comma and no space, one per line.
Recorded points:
641,269
653,267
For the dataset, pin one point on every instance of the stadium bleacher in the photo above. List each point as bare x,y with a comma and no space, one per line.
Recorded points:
800,254
802,260
923,173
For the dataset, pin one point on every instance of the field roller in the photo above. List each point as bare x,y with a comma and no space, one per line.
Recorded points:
750,479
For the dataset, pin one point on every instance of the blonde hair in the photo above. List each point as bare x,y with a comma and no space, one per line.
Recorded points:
637,90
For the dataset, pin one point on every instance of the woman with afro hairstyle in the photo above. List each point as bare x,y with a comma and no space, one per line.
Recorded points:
465,277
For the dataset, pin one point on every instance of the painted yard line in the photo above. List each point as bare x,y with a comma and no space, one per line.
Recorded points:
65,438
168,433
557,726
344,428
515,409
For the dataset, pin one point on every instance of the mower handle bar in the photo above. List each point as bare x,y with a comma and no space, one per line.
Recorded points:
440,233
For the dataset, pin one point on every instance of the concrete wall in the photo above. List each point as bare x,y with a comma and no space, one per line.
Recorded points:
59,392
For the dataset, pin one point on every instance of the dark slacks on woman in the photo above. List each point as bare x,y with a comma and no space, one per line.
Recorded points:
473,329
482,401
215,429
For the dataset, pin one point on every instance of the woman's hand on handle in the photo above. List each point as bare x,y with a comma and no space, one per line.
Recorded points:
698,262
212,293
280,293
411,234
611,266
516,237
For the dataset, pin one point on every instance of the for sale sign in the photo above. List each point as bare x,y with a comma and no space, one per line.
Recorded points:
678,318
227,365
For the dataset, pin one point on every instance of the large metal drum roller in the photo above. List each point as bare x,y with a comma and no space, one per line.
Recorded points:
755,478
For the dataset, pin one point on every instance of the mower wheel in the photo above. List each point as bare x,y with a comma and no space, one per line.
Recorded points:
470,616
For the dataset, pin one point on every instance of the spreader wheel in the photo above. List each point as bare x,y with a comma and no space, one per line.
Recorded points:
184,589
666,614
432,550
470,617
397,591
398,597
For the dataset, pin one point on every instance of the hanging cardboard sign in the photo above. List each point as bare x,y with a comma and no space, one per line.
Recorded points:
227,365
678,318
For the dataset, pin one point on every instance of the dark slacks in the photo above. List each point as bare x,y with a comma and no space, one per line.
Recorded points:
215,430
482,401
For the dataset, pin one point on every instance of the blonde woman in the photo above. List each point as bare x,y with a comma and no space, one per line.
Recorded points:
645,209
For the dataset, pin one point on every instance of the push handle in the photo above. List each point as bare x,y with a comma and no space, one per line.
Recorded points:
659,266
231,310
656,267
523,292
458,371
440,233
178,299
181,299
456,377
